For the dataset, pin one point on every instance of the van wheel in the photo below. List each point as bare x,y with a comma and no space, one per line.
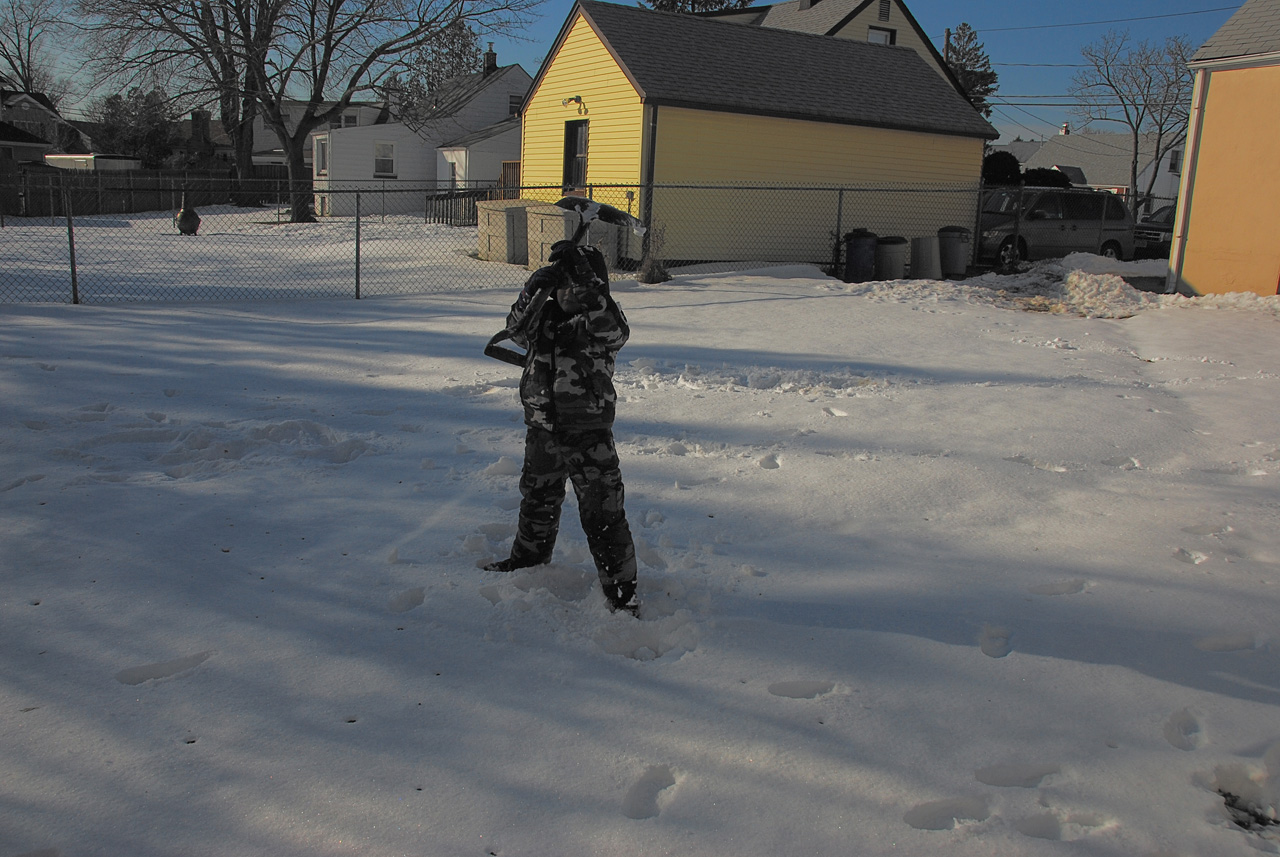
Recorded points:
1111,250
1010,253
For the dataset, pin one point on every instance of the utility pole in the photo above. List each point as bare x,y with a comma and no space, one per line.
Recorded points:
946,48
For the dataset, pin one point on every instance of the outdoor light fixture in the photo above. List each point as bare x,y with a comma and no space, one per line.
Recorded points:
577,99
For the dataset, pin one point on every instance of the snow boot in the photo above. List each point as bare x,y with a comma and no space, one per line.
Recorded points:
511,563
621,595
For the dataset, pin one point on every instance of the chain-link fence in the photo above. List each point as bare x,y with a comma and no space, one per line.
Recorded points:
390,240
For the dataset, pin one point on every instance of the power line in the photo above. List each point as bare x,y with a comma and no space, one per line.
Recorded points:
1111,21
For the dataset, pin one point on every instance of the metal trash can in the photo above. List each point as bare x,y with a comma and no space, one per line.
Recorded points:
955,245
892,252
925,264
859,256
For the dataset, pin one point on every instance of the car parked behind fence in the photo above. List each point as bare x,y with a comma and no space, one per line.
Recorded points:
1047,223
1153,236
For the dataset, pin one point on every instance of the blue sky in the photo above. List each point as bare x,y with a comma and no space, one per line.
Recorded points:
1032,46
1029,46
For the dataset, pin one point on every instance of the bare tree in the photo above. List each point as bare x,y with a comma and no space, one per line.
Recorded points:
694,5
299,62
27,28
190,47
1144,87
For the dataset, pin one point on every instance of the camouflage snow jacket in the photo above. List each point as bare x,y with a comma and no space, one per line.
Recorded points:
568,372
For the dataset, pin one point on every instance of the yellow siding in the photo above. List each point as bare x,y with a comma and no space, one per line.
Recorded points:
1231,243
699,147
583,67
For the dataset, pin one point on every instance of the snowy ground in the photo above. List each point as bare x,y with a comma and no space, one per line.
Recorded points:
982,568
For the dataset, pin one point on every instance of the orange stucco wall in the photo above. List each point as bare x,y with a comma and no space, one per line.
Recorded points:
1233,227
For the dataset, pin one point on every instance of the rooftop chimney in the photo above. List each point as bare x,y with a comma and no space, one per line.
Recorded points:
490,61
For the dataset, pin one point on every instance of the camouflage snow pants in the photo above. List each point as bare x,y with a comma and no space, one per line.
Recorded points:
590,460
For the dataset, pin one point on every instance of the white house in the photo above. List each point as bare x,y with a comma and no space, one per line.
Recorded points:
1103,162
477,159
266,145
402,162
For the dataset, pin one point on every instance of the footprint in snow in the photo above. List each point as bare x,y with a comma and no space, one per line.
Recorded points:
1124,462
1183,730
769,462
1207,529
801,689
943,814
1073,586
1062,827
164,669
20,481
1190,557
1018,775
835,412
994,641
407,600
643,798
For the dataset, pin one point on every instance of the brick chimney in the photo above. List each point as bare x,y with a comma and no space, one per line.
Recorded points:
490,61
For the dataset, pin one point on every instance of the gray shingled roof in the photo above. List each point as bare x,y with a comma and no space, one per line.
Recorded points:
14,134
1253,29
1105,158
686,61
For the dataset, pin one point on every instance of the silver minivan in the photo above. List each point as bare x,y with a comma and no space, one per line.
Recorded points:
1053,223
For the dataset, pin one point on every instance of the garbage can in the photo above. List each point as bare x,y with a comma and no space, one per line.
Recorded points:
891,257
859,256
954,246
925,263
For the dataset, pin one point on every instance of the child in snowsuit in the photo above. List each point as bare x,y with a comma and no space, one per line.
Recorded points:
571,329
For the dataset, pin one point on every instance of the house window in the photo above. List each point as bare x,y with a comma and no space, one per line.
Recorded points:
884,10
321,156
1175,161
349,120
513,104
384,160
881,36
575,154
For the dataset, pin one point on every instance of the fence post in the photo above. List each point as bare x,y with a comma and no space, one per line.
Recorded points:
71,245
53,209
357,245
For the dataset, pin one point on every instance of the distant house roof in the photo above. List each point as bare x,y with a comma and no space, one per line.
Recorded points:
511,124
14,134
682,60
1254,29
1074,174
456,92
1020,149
1104,159
7,96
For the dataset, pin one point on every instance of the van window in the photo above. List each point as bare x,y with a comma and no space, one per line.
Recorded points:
1116,209
1047,207
1082,206
1002,202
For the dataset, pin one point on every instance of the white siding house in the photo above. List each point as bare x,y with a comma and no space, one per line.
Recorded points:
348,158
477,159
266,145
